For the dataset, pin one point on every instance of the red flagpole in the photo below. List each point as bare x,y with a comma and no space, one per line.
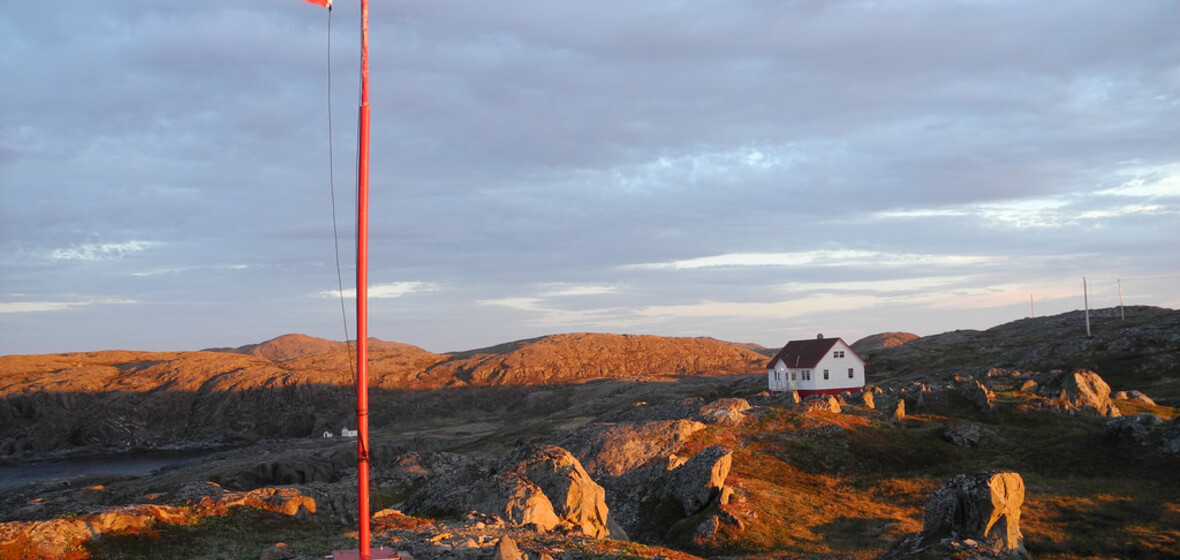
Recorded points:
362,297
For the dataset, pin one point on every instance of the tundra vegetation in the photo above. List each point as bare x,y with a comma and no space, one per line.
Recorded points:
612,446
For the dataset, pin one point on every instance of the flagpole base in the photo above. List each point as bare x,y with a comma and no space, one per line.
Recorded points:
375,554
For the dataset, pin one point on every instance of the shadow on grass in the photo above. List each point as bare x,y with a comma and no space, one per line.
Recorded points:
858,534
243,534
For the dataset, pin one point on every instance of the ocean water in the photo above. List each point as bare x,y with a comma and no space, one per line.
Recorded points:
138,464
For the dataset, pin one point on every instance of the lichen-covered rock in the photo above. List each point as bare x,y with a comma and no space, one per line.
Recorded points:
698,482
726,412
824,403
52,536
614,448
577,500
277,551
1133,396
1171,438
899,411
1133,429
540,484
867,399
977,394
506,549
973,515
515,499
1080,390
964,435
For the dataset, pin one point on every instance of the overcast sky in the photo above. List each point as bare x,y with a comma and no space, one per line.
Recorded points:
753,171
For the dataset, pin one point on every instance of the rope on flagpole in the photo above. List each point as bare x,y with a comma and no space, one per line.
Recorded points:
335,220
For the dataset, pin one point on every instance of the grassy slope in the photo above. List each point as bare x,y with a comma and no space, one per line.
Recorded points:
847,486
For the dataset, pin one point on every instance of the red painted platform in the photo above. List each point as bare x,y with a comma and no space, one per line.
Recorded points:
375,553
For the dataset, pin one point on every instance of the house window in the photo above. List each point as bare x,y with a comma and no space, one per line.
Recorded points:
825,375
793,375
838,354
806,375
850,373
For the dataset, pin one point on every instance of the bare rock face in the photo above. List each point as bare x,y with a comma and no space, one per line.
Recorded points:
515,499
882,340
899,411
277,551
506,549
973,515
698,482
867,399
577,500
726,412
1133,396
540,484
1081,390
964,435
54,535
826,403
612,449
978,395
1171,438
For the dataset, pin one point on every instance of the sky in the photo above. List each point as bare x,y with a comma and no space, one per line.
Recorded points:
752,171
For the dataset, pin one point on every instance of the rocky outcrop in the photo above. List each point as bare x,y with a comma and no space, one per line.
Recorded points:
978,395
201,499
821,403
612,449
882,340
1135,396
698,482
972,515
541,485
899,411
1079,390
1126,352
964,435
297,386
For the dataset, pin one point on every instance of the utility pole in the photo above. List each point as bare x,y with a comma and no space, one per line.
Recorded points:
1031,309
1086,299
1122,310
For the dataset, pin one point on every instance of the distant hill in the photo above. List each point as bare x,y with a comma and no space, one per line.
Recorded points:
882,340
1139,352
295,385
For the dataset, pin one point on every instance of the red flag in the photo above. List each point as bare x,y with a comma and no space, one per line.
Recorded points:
324,3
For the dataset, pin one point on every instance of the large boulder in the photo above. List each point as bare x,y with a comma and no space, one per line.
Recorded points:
979,395
614,448
515,499
539,484
1080,390
973,515
577,500
697,483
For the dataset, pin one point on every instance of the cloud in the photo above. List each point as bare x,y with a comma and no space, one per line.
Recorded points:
101,251
385,291
818,258
1164,182
562,290
185,269
47,306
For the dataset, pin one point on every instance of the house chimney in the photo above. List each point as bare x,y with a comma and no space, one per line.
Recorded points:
819,336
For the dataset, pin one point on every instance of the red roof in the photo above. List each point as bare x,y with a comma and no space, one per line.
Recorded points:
804,353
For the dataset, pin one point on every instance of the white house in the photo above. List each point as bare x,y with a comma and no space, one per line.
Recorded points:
821,365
